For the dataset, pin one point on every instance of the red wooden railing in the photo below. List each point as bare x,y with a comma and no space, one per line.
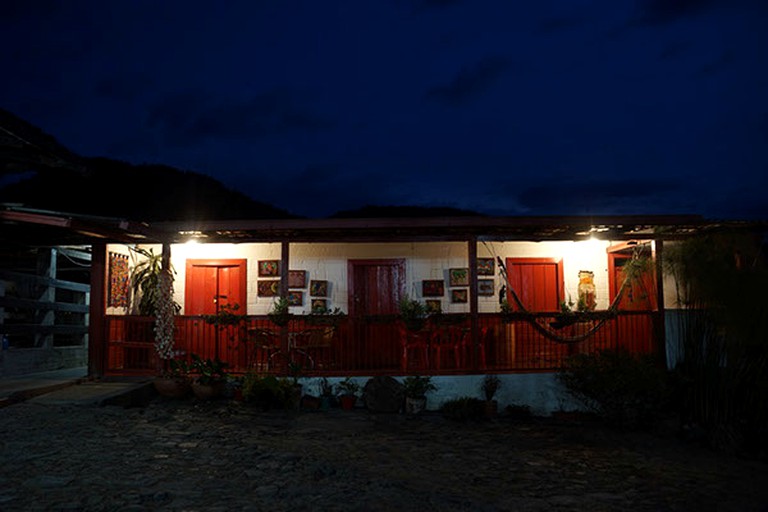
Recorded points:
378,345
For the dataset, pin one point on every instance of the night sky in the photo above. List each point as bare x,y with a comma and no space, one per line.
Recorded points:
502,107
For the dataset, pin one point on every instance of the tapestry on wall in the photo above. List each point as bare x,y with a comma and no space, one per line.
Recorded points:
118,280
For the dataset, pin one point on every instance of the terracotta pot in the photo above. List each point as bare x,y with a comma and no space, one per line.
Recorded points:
207,391
347,402
171,388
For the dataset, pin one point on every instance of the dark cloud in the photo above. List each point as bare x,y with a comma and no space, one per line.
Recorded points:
665,11
598,196
193,117
469,82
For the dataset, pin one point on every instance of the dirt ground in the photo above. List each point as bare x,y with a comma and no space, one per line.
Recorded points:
197,456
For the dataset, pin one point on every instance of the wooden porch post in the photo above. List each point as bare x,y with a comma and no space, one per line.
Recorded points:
660,324
284,257
474,318
97,349
165,265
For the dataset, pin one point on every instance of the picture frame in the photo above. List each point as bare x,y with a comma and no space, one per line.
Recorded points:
486,266
434,306
459,295
433,288
319,306
318,288
268,287
458,277
297,279
486,287
269,268
295,298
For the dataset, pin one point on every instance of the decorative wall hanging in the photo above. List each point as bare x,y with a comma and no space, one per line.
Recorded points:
459,295
458,277
432,288
118,280
434,306
268,288
485,267
319,305
486,287
318,288
269,268
295,298
297,279
587,295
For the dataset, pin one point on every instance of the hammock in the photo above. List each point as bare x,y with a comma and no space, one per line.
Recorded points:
611,312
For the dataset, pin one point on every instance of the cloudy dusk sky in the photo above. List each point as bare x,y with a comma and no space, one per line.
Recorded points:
502,107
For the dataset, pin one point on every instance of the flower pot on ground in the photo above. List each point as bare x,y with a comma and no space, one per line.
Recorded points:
416,388
211,377
175,381
347,391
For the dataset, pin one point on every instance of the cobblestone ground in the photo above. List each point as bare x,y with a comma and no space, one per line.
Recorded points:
192,456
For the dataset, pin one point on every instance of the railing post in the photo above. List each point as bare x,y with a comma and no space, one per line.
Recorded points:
474,317
660,324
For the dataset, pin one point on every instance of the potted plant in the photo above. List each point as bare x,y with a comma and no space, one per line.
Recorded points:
210,379
490,385
347,391
279,314
416,388
413,313
174,382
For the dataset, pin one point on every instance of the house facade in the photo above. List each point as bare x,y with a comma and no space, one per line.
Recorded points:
510,296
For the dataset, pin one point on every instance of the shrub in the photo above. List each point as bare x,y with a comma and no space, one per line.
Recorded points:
464,408
623,389
268,392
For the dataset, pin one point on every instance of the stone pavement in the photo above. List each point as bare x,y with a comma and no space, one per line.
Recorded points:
224,455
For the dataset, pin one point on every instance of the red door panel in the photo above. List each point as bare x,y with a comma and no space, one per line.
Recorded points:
538,283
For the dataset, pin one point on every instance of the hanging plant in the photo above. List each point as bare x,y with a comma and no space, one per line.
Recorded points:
145,282
165,310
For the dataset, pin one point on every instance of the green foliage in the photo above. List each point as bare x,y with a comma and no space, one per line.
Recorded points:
268,392
722,382
464,408
145,278
227,315
623,389
209,371
416,386
325,316
177,369
347,387
413,313
279,315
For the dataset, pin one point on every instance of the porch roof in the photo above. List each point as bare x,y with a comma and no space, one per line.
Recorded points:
445,229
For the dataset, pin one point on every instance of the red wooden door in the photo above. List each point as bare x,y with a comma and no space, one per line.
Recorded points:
211,284
539,284
375,288
634,331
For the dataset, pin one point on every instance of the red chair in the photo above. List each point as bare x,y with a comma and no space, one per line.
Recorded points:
413,341
468,349
450,339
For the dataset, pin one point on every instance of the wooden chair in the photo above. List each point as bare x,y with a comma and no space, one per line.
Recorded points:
413,342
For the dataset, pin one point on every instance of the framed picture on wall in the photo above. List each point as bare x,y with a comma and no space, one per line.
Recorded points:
486,287
458,277
434,306
459,295
269,268
295,298
267,287
297,279
318,288
319,305
485,267
432,288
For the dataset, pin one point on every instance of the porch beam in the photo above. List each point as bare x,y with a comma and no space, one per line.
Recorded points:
474,317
